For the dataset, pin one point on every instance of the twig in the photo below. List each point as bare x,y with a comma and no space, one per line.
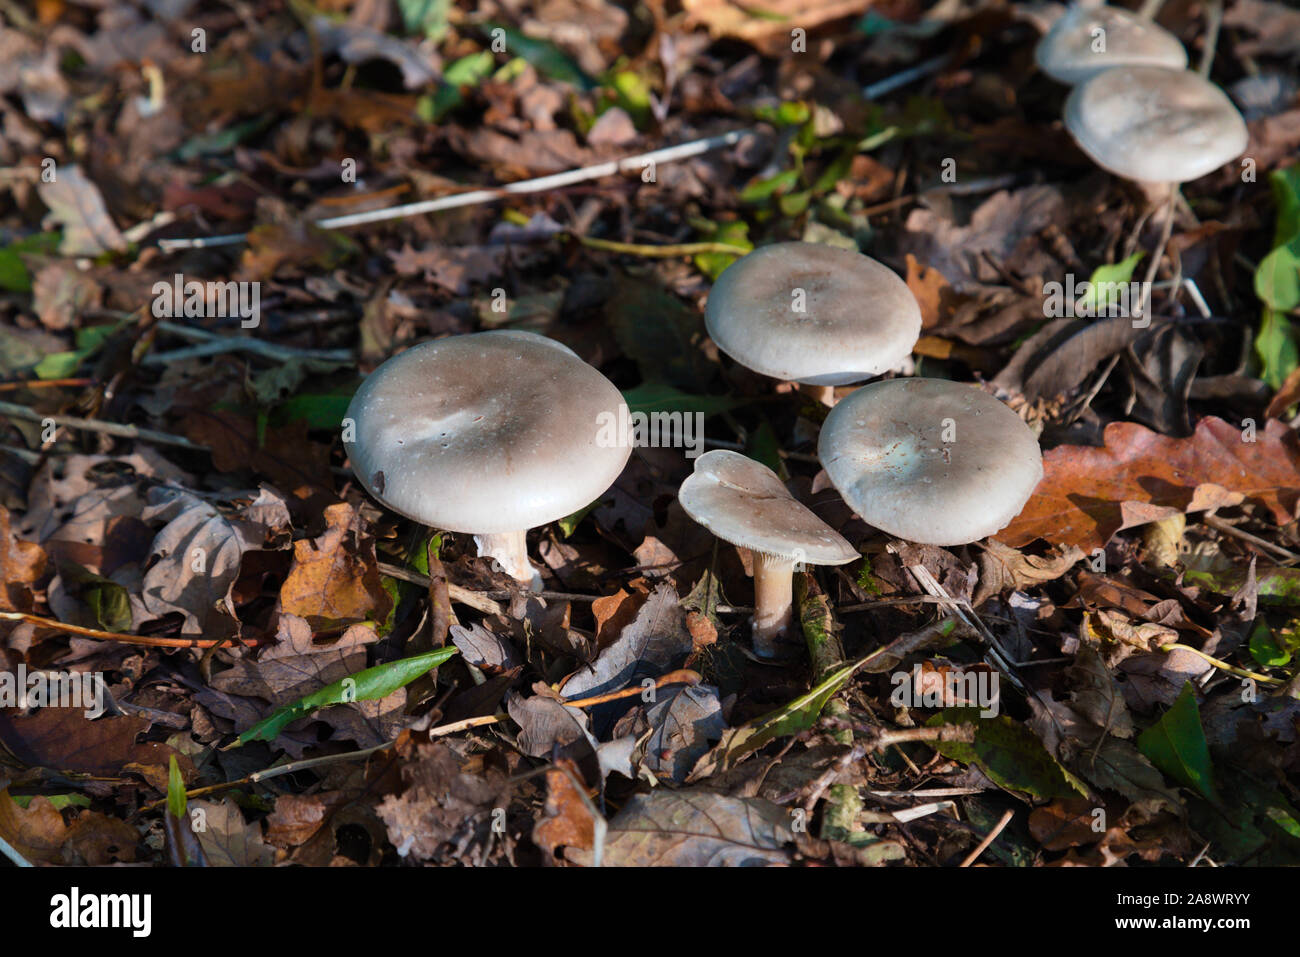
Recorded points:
1213,521
211,344
44,384
477,197
653,251
150,640
992,836
1223,665
886,602
682,677
889,84
1213,22
95,425
8,851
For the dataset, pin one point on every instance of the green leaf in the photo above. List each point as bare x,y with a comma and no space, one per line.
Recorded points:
89,340
14,275
1106,278
763,189
1009,753
1264,648
60,801
548,59
1176,745
427,17
662,397
764,447
322,413
1276,347
1277,280
469,70
734,233
175,790
570,522
371,684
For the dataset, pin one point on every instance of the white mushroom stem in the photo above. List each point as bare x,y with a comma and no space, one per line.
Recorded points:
773,601
510,551
825,394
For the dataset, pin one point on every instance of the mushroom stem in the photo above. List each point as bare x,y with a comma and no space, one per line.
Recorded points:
773,601
1150,8
825,394
510,551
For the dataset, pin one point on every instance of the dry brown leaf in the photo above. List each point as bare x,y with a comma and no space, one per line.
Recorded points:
1088,494
334,579
76,204
21,566
565,821
770,28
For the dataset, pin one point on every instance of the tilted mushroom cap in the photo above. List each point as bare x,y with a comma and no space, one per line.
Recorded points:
883,447
1068,51
859,319
1153,125
485,433
743,502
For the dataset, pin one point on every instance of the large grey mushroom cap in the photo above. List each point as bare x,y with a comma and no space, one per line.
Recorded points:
884,448
1154,125
487,433
1068,51
859,317
744,502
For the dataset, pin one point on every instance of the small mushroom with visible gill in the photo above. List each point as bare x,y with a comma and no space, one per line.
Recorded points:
744,502
813,314
1086,40
1158,128
489,434
930,461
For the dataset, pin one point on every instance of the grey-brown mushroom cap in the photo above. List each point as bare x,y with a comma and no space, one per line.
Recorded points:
859,319
1154,125
744,502
1069,53
930,461
487,433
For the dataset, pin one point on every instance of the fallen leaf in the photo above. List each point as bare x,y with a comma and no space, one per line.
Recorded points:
1088,494
334,579
226,838
76,204
696,828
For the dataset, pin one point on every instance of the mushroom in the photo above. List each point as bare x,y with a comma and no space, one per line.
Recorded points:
744,502
930,461
1158,128
1073,50
813,314
489,434
1153,125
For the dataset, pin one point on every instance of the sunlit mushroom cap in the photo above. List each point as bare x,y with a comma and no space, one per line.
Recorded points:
1154,125
486,433
930,461
1073,50
744,502
858,317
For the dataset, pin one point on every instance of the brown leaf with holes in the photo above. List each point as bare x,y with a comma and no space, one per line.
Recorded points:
334,579
1088,494
565,821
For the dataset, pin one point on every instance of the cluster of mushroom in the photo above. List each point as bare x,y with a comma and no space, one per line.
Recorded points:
927,460
1135,108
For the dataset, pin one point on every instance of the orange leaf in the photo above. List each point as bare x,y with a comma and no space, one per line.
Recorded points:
1088,494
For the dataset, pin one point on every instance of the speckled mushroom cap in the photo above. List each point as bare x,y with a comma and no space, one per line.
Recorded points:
883,447
1067,52
1154,125
744,502
486,433
859,317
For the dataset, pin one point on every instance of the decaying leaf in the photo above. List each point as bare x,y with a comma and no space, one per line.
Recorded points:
1088,494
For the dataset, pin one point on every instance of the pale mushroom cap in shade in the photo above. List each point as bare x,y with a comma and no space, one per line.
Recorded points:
744,502
859,317
883,447
486,433
1153,125
1067,52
